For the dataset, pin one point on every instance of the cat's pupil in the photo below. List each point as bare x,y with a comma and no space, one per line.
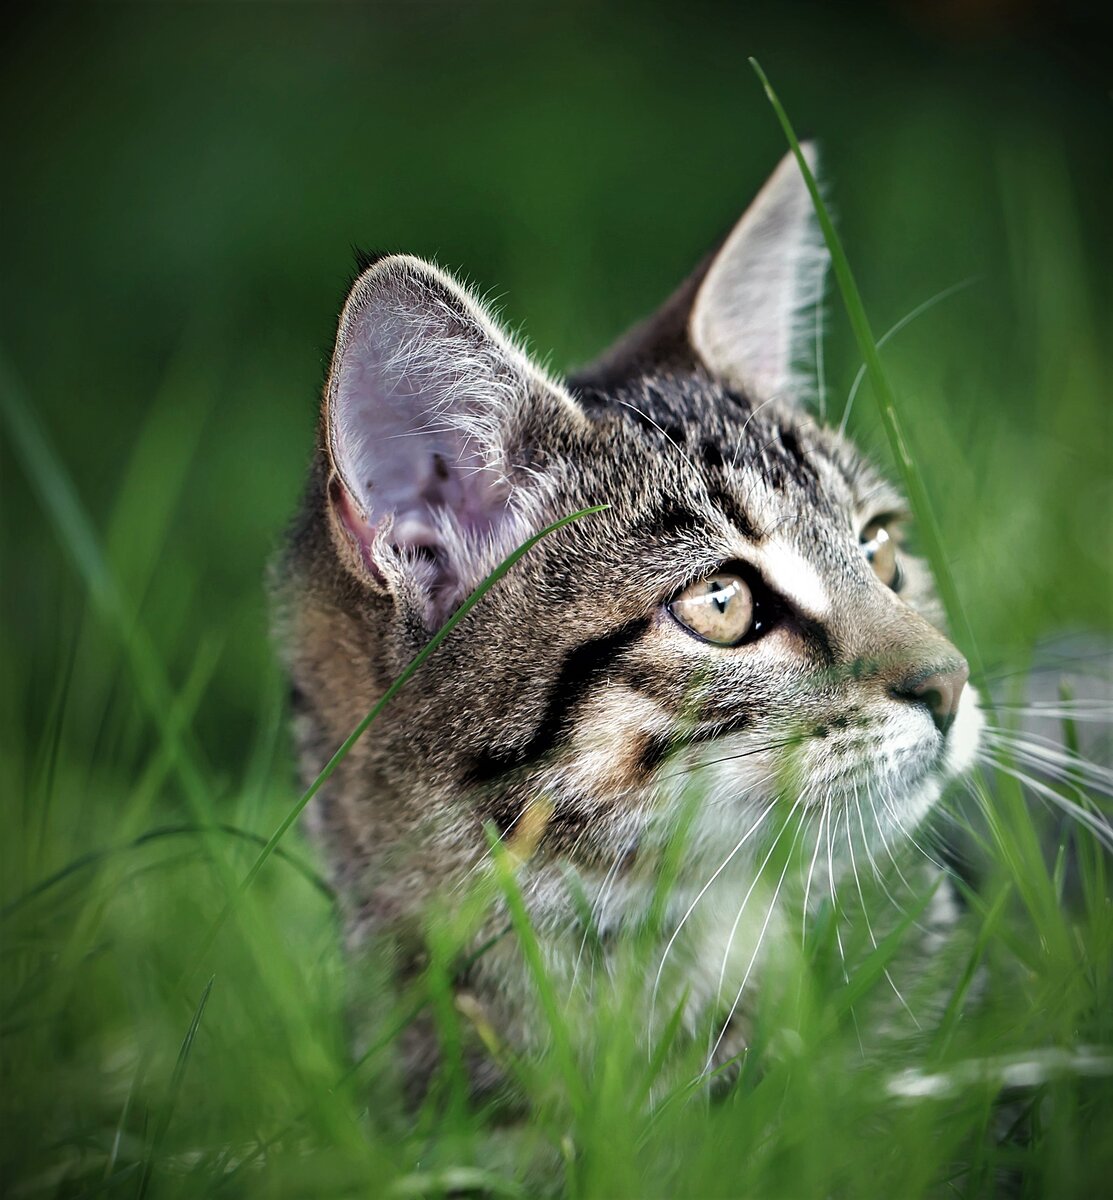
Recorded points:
719,609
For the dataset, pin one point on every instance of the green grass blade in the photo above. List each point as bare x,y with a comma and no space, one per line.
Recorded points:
56,493
172,1095
415,665
886,402
871,970
986,932
93,857
62,505
531,952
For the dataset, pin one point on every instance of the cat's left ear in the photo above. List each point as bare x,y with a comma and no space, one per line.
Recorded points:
752,320
432,421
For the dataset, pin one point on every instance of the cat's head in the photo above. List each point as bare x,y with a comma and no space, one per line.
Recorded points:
745,604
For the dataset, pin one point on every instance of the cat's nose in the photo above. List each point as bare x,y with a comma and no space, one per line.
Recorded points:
938,691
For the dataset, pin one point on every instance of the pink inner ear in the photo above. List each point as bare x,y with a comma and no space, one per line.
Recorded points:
356,526
418,393
408,531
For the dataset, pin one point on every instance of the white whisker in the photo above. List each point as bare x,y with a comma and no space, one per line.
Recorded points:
691,908
907,319
869,924
746,898
1097,824
885,841
745,426
760,941
877,873
679,449
910,837
823,814
1051,756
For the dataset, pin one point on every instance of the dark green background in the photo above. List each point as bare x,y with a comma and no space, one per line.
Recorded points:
182,188
180,192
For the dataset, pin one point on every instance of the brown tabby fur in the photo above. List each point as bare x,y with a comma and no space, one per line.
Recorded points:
559,711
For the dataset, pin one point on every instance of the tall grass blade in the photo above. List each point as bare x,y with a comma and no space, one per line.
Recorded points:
531,952
61,503
176,1080
886,402
92,858
341,753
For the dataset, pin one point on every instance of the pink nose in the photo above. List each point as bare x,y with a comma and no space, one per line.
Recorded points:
939,692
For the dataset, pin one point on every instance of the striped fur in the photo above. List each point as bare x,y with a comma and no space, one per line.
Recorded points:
570,710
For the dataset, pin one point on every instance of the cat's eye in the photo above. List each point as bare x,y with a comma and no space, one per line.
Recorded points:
719,609
880,549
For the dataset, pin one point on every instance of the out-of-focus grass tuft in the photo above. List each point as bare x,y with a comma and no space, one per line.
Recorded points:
157,401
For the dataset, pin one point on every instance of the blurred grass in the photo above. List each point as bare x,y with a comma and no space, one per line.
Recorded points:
181,191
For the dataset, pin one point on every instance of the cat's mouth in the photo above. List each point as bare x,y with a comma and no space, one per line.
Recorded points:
894,759
899,763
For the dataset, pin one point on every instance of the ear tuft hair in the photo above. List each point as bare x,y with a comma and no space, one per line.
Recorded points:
366,259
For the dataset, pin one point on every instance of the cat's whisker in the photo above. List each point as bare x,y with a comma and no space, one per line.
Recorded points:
745,426
1097,716
869,923
823,814
1075,709
908,835
485,859
675,445
760,453
1068,779
1028,735
749,892
834,900
1096,823
1069,776
877,873
791,519
1084,810
763,479
907,319
711,762
601,897
691,907
885,841
1052,757
760,941
838,931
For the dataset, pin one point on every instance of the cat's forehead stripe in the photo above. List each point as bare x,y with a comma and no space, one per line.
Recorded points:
786,570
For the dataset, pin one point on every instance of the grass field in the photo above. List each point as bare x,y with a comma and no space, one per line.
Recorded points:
181,195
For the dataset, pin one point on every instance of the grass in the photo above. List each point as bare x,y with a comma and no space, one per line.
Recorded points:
143,765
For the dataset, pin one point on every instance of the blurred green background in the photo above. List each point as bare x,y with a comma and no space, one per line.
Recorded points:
182,188
181,191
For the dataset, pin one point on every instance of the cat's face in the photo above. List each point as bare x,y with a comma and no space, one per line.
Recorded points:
743,612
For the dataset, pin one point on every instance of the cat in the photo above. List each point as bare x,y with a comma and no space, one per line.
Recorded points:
743,611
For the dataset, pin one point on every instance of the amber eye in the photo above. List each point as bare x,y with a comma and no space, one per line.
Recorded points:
880,550
719,609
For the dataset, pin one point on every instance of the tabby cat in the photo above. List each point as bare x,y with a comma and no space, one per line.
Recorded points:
742,611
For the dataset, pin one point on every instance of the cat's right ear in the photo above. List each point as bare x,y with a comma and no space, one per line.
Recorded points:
747,313
752,317
427,410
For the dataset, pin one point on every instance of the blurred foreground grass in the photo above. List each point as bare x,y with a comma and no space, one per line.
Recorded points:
183,193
